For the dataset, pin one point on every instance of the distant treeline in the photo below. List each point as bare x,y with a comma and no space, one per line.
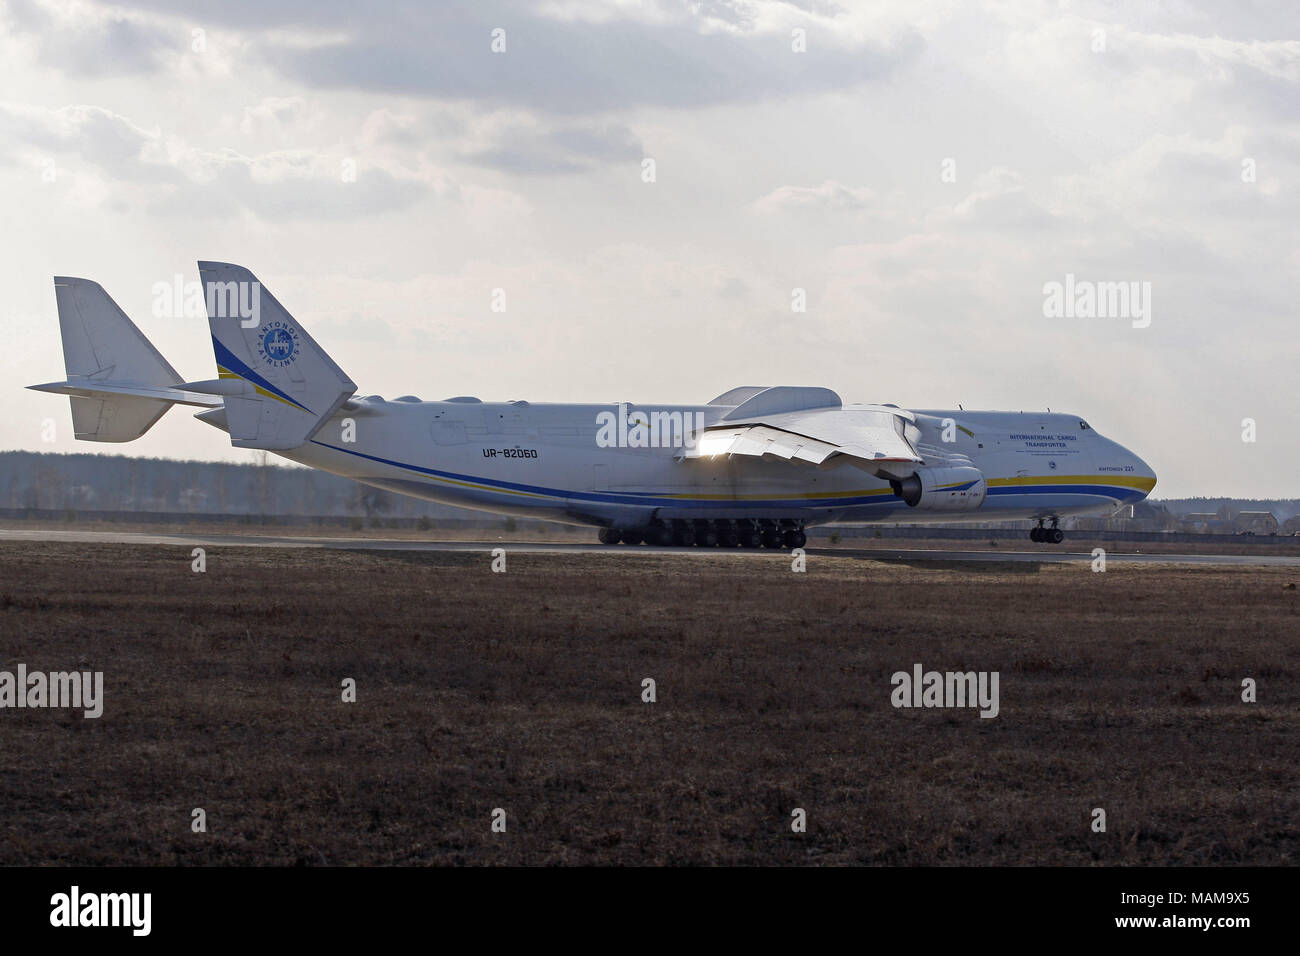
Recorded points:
83,483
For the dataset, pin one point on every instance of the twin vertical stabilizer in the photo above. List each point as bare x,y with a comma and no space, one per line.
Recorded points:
276,384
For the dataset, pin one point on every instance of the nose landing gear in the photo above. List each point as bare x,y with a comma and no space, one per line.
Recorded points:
1052,535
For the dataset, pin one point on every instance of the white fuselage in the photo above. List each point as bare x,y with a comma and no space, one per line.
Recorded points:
545,460
756,465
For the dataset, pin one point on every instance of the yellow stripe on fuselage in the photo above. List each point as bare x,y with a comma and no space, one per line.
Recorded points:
1119,481
1141,482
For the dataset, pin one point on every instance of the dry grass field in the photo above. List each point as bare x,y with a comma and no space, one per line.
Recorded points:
522,691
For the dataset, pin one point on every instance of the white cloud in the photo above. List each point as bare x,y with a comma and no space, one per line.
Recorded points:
829,195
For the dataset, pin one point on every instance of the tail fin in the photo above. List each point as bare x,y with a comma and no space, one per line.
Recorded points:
292,386
102,350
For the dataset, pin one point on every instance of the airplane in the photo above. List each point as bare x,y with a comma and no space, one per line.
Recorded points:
755,467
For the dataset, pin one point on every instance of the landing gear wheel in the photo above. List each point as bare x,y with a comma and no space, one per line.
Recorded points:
684,538
707,538
660,536
1052,535
794,539
771,539
751,539
728,538
631,537
609,536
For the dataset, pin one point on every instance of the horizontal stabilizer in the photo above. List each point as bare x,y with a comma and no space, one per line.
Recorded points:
117,419
97,390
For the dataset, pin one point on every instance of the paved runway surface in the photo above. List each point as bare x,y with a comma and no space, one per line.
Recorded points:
391,544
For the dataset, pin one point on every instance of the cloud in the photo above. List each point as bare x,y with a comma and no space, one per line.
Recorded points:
276,116
85,40
528,147
829,196
96,136
168,175
999,201
564,58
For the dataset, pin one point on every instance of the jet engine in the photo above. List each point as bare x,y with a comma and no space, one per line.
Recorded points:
960,488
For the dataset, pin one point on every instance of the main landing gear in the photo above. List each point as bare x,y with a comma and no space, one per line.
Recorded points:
722,533
1041,535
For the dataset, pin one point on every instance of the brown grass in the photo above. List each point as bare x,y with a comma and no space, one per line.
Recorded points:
523,691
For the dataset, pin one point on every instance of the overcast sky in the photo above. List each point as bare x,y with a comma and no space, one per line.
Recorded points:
922,170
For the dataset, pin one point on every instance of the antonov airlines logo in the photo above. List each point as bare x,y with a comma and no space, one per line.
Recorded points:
629,428
277,344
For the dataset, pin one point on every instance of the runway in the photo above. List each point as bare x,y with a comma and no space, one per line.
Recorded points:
200,539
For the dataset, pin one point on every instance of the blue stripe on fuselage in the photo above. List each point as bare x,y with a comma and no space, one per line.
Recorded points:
661,500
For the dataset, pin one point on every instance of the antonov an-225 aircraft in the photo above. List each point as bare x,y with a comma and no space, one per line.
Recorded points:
753,467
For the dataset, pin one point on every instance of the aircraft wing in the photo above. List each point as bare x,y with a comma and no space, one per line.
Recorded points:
873,437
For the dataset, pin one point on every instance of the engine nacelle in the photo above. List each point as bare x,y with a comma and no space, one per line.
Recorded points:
960,488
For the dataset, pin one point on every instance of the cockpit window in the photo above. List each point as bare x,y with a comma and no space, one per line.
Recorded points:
1083,426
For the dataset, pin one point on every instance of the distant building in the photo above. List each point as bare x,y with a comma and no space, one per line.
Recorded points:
1260,522
1202,523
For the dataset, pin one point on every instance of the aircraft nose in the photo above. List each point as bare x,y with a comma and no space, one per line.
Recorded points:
1144,474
